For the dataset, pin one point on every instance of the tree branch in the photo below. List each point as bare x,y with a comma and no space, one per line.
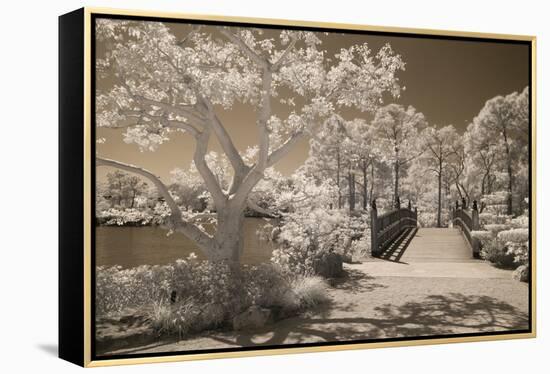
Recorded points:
252,205
203,240
245,48
280,152
263,118
239,167
175,109
204,170
169,123
281,59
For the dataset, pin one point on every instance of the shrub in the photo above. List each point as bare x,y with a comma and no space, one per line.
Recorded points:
496,228
505,243
520,222
189,295
306,234
517,243
310,291
118,289
362,247
496,253
268,286
185,316
204,282
124,217
119,216
521,273
514,235
427,218
483,236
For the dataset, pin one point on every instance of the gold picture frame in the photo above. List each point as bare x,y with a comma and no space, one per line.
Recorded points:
76,153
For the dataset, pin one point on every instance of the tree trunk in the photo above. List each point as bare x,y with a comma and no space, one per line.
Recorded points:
396,186
351,181
371,194
459,190
439,193
509,169
229,237
338,165
133,199
510,186
365,189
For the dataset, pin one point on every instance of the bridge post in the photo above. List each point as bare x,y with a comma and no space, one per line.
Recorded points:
374,228
475,216
416,215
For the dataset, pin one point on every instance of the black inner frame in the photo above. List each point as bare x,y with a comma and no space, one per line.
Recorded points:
92,94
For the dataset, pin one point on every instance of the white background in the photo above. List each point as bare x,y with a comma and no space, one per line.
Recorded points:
28,157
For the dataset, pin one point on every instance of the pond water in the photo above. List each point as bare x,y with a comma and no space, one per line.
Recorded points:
149,245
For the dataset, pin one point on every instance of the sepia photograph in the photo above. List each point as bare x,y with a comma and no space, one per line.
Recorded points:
260,186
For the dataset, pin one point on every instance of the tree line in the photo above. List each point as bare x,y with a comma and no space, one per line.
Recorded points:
165,85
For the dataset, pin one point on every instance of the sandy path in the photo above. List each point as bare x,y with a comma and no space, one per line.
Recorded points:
382,299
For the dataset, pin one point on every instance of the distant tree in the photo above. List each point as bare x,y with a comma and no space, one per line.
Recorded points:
341,150
440,147
115,187
101,194
504,119
363,156
397,131
483,157
457,172
122,188
134,187
327,153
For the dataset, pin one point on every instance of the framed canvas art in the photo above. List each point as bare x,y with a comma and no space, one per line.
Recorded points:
233,186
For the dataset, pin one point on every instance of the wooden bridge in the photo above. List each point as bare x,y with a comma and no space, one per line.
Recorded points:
395,236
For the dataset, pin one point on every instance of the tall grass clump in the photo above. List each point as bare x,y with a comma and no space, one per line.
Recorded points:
190,296
310,291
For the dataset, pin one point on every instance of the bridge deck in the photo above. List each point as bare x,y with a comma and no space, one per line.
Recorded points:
432,253
438,245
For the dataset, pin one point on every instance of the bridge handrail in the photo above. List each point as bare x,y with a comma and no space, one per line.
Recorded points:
467,222
388,226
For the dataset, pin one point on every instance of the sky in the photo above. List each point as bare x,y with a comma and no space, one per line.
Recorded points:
447,80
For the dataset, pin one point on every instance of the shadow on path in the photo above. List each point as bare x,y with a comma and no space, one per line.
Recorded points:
397,249
355,281
434,315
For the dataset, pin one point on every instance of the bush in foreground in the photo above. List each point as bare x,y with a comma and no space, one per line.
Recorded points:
310,292
521,273
306,235
191,296
504,246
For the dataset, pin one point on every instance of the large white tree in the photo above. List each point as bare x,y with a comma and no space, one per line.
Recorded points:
164,85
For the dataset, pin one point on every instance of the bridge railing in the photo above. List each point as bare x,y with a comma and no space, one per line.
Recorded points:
385,228
467,222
